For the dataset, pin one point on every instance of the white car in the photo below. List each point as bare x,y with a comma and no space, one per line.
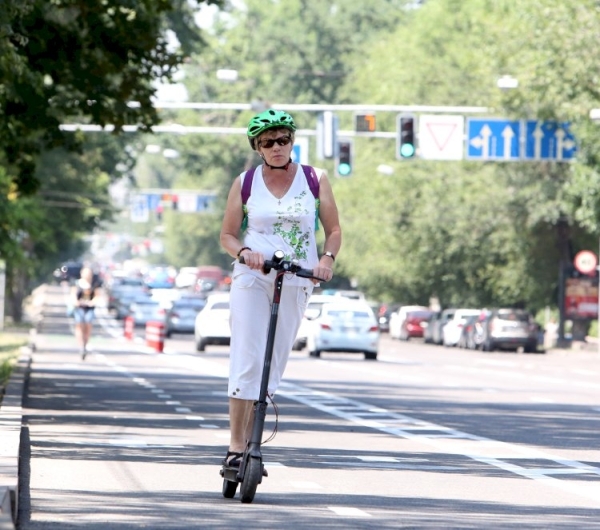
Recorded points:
399,316
313,311
452,331
212,323
344,326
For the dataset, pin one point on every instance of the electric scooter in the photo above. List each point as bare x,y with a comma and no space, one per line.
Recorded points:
251,469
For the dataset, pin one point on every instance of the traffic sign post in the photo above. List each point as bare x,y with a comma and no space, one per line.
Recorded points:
549,140
300,150
441,137
493,139
327,126
586,262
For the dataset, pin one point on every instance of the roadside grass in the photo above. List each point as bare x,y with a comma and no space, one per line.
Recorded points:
10,343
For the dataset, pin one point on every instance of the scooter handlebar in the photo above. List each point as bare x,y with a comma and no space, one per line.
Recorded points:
287,266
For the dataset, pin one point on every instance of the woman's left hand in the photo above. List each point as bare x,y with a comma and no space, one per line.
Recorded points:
324,272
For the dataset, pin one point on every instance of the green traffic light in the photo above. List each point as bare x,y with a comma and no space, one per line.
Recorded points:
344,169
407,150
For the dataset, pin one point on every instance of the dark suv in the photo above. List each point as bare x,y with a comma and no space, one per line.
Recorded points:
509,329
68,272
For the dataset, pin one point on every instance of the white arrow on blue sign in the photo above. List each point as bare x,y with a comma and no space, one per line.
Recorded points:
549,140
300,150
493,139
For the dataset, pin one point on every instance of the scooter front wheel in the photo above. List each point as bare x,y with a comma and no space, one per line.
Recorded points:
252,478
229,488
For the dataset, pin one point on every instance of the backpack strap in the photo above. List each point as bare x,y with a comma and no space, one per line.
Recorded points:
247,185
313,184
313,181
246,189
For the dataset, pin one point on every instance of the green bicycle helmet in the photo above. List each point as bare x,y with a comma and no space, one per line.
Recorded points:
269,119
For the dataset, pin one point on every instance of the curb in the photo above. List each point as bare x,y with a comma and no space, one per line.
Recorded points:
11,415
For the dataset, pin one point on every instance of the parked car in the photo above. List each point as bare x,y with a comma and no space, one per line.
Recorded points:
160,277
469,332
428,331
398,317
510,329
453,329
212,322
414,324
472,332
186,277
384,313
344,326
121,286
121,298
209,278
436,325
313,311
144,309
68,272
181,316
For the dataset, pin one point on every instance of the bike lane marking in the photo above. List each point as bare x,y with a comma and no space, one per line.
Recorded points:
485,450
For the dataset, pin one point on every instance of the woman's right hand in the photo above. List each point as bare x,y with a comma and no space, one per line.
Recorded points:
253,260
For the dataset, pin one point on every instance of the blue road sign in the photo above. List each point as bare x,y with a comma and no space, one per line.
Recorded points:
549,140
296,151
493,139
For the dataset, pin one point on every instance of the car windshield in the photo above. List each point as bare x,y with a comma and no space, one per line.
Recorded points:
514,316
192,304
419,314
348,314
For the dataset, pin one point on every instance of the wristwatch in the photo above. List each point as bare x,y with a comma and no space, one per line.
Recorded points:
329,255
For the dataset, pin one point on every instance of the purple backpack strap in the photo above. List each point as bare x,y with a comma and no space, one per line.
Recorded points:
309,173
313,181
247,185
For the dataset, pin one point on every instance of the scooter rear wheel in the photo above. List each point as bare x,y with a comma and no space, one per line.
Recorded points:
252,478
229,488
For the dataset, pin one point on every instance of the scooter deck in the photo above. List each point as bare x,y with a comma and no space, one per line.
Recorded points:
230,473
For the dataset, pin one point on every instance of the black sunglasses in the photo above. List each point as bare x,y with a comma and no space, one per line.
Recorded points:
267,144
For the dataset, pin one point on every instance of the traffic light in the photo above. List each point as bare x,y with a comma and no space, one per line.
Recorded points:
407,147
343,167
365,123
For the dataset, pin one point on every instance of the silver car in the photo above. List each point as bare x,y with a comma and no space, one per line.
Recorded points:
181,316
344,326
212,323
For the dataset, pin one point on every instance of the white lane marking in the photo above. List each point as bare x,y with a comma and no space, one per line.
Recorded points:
173,402
164,396
157,391
346,511
182,409
208,426
405,426
195,418
411,428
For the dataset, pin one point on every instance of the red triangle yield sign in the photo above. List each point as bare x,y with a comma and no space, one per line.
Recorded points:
441,133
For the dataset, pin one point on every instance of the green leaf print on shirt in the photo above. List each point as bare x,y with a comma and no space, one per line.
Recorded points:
288,227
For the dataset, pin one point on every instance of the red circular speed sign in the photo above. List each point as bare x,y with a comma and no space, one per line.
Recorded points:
586,262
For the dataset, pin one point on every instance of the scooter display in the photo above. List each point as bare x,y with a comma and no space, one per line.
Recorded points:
250,472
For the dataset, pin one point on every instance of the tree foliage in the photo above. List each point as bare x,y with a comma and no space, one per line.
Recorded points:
465,232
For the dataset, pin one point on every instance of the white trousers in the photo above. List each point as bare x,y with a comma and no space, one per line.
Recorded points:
250,303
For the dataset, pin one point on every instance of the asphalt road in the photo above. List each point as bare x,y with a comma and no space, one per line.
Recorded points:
425,437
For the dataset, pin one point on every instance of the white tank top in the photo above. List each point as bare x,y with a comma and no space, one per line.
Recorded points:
286,224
